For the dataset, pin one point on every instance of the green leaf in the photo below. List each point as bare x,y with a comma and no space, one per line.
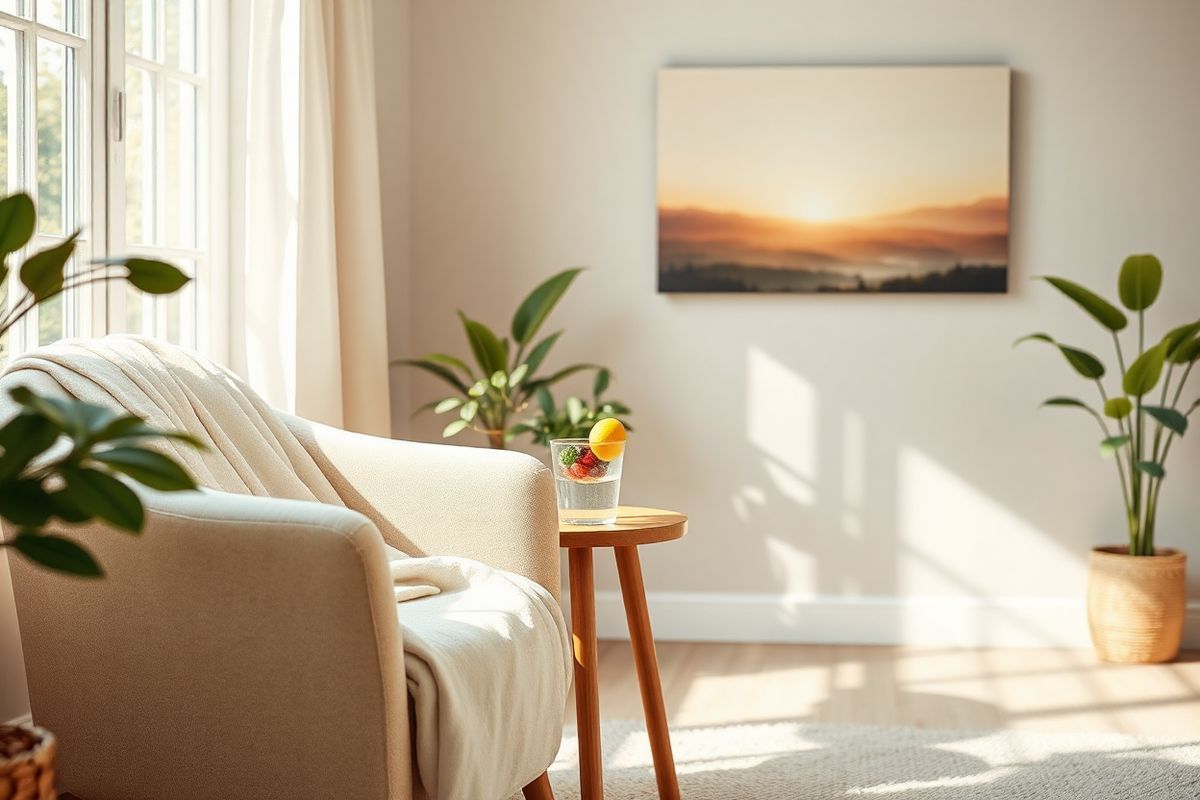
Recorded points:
24,437
147,467
155,277
518,374
516,430
575,410
1140,281
1178,338
538,354
1144,372
1070,402
600,384
18,218
1100,309
25,503
454,427
1109,446
42,273
1170,419
56,553
1152,468
499,379
617,407
537,306
478,389
449,404
545,401
1118,407
468,411
103,496
131,429
451,361
1081,361
435,369
1187,352
488,350
421,409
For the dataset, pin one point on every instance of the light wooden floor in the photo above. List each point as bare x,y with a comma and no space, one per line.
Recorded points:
1046,690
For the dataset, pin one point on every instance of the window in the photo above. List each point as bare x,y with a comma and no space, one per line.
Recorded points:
46,66
166,91
111,134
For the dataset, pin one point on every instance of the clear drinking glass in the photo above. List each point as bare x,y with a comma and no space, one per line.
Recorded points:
587,486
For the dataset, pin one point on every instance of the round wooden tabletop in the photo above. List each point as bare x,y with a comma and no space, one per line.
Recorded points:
634,525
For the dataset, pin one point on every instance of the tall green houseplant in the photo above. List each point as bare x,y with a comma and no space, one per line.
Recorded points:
1140,422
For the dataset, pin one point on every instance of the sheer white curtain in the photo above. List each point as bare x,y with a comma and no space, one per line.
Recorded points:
307,315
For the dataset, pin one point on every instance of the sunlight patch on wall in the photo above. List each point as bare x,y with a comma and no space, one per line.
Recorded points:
781,413
947,527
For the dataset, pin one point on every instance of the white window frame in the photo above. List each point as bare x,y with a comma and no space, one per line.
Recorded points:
83,309
201,325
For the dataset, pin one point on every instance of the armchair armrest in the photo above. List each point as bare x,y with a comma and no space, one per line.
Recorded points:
493,506
250,640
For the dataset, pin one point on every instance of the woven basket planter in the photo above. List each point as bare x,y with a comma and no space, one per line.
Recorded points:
1136,604
27,763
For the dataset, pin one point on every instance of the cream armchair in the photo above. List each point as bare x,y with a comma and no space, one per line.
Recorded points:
248,646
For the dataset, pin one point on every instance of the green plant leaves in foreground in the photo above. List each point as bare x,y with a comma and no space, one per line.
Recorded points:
18,217
1081,361
56,553
1140,281
1171,419
1100,309
42,273
1118,407
537,306
1143,373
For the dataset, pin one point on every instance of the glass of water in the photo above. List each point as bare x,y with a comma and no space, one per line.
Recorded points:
587,486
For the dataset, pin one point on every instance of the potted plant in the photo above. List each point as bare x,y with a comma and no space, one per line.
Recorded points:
62,460
1136,591
575,417
507,378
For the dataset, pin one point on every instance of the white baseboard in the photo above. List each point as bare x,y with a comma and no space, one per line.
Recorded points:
24,719
928,620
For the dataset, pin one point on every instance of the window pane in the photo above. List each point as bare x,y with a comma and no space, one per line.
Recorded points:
4,339
178,207
10,112
52,135
177,311
50,320
14,7
134,300
139,157
61,14
139,27
179,34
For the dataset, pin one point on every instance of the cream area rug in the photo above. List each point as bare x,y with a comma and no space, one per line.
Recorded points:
800,761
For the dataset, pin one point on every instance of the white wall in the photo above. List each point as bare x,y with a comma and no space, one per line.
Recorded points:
884,449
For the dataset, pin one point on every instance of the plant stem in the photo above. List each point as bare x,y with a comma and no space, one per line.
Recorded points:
1120,354
1137,531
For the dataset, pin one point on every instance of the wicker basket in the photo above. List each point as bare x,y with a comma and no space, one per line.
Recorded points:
29,774
1136,604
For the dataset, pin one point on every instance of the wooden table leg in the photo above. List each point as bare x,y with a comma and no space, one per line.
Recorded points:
587,686
633,593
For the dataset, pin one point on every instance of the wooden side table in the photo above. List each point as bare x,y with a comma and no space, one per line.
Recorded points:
634,526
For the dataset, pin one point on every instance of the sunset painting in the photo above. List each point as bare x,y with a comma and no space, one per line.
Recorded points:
833,179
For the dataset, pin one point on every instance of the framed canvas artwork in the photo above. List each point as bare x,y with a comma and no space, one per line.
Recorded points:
833,179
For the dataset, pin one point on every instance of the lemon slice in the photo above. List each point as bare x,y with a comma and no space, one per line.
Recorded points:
607,439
